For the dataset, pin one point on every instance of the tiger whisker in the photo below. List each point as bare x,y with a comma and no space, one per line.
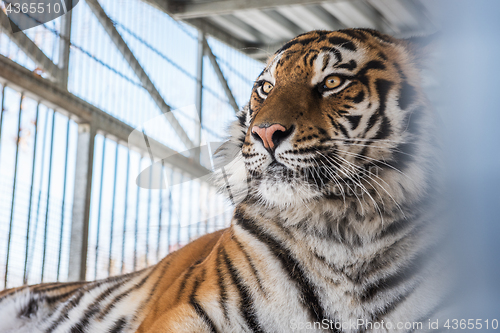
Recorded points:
382,187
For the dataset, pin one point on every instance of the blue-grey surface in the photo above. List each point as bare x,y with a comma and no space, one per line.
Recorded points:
472,118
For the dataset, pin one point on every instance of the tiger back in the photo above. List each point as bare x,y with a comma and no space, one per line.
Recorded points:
332,170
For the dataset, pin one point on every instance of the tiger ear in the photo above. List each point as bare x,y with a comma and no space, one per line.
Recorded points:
424,49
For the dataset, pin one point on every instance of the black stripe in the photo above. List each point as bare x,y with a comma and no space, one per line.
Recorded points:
81,326
403,155
384,130
246,301
290,265
48,287
354,120
359,97
71,304
391,306
221,284
199,309
303,41
311,61
334,51
118,326
242,119
396,227
326,61
383,86
343,130
182,285
407,94
354,33
374,64
250,262
342,42
382,55
124,294
57,298
404,274
378,35
94,308
351,65
333,122
29,309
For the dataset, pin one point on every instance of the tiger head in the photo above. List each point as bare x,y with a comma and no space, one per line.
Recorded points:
335,117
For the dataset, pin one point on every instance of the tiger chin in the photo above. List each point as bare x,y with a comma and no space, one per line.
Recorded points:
332,170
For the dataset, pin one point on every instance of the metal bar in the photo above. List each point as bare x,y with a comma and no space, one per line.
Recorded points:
63,199
25,272
81,202
199,85
146,139
48,194
198,226
99,207
137,198
170,201
2,107
22,79
29,48
148,219
64,46
13,191
125,211
160,204
207,212
139,71
221,77
179,212
113,211
190,193
30,258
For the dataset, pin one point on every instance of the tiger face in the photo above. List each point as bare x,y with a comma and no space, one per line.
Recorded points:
336,116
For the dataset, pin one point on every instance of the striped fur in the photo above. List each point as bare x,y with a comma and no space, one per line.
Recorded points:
338,224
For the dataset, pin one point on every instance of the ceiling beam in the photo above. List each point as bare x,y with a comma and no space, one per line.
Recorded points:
183,10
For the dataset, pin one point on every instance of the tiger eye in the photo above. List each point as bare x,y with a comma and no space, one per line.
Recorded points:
333,81
267,87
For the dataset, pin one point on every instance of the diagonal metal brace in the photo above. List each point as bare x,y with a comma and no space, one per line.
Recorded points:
138,70
29,48
220,76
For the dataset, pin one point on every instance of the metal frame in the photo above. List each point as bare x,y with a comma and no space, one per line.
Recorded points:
64,47
51,94
91,120
81,203
54,94
220,76
139,71
199,83
30,48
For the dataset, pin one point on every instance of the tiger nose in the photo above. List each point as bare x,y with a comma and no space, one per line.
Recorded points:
271,136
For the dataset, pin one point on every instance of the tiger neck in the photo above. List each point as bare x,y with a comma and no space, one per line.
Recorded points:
345,241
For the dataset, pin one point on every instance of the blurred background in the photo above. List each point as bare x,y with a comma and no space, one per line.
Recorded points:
75,88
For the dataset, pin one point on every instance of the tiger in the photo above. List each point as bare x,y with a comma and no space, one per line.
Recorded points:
332,170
